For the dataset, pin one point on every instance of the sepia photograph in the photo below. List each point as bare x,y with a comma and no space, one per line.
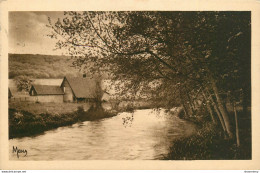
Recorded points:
129,85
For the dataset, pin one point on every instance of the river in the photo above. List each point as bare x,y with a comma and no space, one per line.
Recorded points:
144,134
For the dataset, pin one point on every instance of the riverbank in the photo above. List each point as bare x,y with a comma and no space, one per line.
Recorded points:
23,123
209,143
29,118
50,108
140,135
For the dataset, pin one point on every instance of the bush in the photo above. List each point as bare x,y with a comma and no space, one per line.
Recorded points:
208,143
23,123
80,111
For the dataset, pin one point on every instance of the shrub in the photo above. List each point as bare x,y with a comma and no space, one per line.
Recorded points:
208,143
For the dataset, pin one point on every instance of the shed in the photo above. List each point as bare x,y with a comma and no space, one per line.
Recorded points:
78,89
47,93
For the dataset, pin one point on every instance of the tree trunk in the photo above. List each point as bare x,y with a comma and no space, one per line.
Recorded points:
222,110
209,108
211,113
183,103
185,110
237,128
219,115
191,104
184,107
217,111
245,101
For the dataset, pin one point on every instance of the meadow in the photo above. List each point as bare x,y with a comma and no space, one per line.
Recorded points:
51,108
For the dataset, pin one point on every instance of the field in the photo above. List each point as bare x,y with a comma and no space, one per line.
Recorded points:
51,108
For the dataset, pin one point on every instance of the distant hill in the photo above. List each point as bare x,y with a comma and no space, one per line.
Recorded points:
41,66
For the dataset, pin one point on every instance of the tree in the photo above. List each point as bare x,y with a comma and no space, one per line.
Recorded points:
23,83
183,54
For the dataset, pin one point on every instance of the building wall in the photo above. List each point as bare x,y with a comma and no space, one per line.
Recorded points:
24,99
49,98
68,94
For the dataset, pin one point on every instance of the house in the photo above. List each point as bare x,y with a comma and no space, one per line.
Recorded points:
78,89
71,89
47,93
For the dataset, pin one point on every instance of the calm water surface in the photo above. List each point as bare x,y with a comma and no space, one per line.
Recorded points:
144,134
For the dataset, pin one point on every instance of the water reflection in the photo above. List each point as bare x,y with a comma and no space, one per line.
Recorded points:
144,134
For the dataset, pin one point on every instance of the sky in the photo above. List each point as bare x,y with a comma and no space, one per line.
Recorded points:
28,33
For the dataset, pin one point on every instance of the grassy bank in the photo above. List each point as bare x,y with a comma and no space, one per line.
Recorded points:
23,123
209,143
29,118
47,108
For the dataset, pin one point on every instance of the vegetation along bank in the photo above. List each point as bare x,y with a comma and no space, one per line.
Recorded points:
23,123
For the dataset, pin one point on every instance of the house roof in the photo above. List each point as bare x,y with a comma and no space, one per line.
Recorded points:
47,90
82,87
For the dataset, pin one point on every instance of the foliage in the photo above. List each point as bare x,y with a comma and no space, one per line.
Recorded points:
186,58
23,123
40,66
95,113
23,83
208,144
163,53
